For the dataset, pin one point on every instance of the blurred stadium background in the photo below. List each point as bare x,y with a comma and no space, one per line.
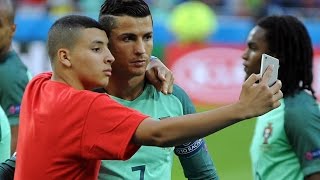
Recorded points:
202,44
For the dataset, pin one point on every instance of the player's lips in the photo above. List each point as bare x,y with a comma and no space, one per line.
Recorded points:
138,63
108,72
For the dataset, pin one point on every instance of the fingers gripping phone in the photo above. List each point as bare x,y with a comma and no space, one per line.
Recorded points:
267,60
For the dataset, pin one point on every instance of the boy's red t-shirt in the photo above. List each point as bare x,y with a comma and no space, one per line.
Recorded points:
64,132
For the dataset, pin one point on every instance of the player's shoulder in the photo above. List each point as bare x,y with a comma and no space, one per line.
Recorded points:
301,102
12,61
301,110
177,90
12,67
180,93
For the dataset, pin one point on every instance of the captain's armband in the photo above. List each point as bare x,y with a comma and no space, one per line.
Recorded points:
189,149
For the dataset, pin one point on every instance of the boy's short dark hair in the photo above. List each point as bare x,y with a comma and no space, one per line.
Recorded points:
65,31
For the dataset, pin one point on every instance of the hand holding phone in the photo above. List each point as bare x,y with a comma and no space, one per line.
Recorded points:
267,60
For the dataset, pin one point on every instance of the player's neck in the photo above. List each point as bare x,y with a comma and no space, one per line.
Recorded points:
128,89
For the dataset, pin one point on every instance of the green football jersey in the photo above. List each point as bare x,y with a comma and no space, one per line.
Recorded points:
286,143
148,162
5,136
14,78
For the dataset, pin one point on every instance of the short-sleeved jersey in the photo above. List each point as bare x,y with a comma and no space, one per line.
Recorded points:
156,162
64,132
5,136
286,143
14,78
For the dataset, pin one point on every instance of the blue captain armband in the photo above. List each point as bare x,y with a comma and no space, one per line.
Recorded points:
189,149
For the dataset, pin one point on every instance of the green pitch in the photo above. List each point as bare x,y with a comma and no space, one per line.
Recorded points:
229,149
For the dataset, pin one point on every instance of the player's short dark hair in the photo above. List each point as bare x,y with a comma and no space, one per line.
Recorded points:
288,40
65,31
8,8
111,8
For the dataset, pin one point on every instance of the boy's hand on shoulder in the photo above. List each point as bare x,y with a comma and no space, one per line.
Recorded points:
160,76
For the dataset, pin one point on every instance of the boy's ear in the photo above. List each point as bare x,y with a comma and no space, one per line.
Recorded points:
64,57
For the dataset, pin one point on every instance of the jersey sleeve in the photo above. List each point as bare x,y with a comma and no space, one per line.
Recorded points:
11,92
188,107
108,130
194,157
302,126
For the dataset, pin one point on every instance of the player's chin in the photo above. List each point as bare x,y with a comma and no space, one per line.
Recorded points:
105,82
139,72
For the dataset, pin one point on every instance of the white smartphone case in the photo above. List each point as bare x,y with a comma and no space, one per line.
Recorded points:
267,60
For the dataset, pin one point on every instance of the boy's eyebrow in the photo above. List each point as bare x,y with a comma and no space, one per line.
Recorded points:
98,42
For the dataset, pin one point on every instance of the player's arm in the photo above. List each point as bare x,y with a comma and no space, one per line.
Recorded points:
302,129
7,168
194,156
12,92
255,99
160,76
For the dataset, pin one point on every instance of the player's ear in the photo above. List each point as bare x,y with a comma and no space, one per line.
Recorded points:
13,30
64,57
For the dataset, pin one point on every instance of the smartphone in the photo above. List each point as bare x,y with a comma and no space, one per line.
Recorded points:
267,60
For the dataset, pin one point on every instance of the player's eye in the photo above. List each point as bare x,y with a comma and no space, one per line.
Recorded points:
126,39
253,48
96,49
148,37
